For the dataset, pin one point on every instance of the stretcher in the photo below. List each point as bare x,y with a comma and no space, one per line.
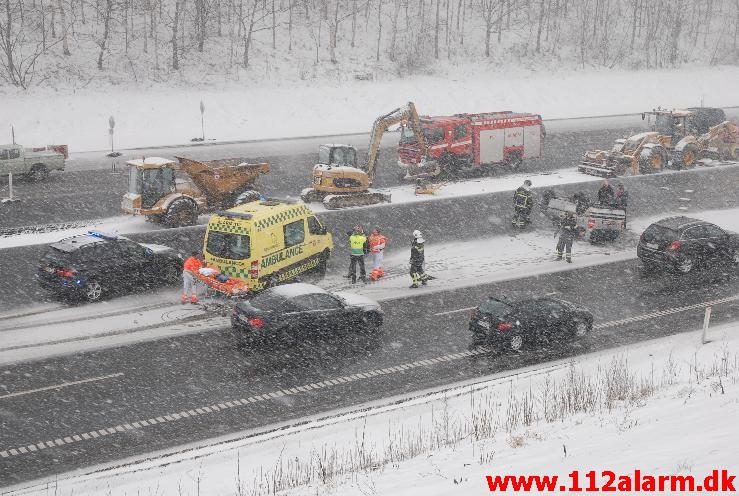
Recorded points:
228,286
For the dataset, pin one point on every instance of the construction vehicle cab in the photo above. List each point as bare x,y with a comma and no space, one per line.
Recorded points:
155,191
333,154
339,181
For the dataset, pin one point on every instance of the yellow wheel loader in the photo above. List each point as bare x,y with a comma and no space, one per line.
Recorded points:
339,181
671,143
156,192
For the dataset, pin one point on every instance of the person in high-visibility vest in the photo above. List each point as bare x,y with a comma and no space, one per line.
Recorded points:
191,265
377,242
358,247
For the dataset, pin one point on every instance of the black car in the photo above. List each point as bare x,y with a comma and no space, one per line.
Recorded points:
295,311
514,325
683,244
94,264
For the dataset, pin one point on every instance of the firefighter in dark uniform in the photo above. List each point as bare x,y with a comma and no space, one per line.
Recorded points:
417,260
567,234
522,203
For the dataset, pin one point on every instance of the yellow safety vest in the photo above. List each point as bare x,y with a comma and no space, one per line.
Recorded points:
356,242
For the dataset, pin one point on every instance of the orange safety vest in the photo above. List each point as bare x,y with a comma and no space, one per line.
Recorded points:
377,243
193,264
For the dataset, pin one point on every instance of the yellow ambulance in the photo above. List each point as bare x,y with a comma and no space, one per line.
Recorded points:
267,242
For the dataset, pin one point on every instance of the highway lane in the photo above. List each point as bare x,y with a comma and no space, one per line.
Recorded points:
159,379
441,220
90,188
90,194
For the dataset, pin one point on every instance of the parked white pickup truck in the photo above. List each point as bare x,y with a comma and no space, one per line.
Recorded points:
34,163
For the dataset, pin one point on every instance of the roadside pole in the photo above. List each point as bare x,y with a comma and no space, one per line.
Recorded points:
706,321
11,198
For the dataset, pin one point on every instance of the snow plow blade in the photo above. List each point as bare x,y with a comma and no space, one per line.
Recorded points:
334,202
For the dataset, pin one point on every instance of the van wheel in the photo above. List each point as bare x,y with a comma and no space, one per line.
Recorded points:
38,172
182,212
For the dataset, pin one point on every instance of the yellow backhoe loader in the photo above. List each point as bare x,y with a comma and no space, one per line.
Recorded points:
339,181
671,143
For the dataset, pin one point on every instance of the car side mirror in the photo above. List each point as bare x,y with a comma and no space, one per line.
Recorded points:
643,116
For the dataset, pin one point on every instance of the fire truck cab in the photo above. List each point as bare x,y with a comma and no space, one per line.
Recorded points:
470,141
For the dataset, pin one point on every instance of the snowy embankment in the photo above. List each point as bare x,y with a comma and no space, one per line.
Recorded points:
666,406
280,110
49,330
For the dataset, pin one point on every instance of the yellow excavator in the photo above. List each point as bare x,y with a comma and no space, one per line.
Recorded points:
339,181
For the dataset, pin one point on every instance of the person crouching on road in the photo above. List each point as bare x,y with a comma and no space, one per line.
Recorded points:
522,204
358,247
377,242
193,264
567,234
417,260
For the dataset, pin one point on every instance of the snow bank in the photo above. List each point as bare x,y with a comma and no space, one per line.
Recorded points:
666,406
169,116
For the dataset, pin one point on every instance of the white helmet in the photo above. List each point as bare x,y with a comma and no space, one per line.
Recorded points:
418,236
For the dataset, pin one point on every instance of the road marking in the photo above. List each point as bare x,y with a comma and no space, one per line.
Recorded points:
426,362
454,311
206,409
662,313
62,385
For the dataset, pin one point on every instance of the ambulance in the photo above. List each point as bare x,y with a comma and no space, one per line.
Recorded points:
265,243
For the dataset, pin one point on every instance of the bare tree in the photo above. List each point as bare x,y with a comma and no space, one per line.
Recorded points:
63,15
175,30
103,43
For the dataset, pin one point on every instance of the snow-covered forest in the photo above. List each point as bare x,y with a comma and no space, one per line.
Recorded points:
73,43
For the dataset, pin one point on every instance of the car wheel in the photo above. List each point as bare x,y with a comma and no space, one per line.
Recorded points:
182,212
516,342
735,258
372,321
93,290
580,329
684,266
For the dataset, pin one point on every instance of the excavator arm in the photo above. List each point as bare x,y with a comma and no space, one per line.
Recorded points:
406,113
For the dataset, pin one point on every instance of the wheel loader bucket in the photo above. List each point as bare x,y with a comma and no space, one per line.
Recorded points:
596,163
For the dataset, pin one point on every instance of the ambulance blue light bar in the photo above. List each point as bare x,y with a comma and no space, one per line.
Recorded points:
101,235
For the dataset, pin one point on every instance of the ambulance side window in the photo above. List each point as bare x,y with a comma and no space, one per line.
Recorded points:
294,233
315,227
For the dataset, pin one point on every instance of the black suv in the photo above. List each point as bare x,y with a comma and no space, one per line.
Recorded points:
93,264
684,244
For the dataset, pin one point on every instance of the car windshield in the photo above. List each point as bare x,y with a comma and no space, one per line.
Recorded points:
495,308
228,245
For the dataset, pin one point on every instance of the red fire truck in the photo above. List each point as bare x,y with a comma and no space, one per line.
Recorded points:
470,141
